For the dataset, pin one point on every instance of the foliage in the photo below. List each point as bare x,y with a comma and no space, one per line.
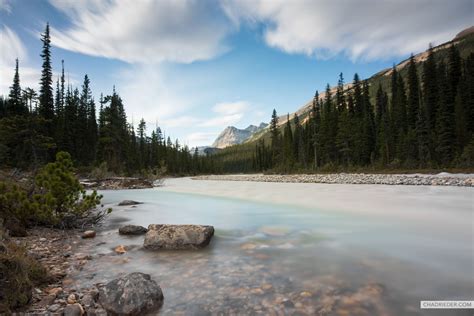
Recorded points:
57,198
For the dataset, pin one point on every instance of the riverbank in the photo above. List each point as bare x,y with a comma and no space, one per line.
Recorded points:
59,252
441,179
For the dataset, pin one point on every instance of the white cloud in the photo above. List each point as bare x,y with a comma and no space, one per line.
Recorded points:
363,29
222,121
11,47
200,139
143,31
181,121
229,108
5,5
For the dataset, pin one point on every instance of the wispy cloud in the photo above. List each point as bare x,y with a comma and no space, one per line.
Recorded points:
5,5
360,29
143,31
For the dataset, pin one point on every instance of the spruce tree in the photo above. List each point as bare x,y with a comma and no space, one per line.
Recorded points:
15,102
413,94
46,103
430,89
275,136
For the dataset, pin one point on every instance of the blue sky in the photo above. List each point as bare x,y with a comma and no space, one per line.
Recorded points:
196,67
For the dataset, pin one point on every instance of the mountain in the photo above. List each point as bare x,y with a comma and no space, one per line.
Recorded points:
464,40
232,135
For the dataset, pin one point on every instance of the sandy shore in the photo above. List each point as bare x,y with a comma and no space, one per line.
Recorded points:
444,179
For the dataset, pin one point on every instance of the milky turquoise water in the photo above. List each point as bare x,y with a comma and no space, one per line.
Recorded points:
291,259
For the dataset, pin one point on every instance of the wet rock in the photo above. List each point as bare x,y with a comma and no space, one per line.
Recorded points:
120,249
133,294
129,202
132,230
88,234
177,236
73,310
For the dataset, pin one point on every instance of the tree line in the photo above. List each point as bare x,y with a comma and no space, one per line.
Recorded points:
424,120
35,125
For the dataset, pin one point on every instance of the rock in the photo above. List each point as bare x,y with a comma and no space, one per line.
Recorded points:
177,236
88,234
133,294
132,230
47,300
54,308
71,299
120,249
129,202
73,310
55,291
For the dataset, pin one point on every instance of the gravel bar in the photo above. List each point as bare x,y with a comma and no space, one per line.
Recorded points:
441,179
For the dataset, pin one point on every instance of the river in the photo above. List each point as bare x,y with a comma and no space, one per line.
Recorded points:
282,248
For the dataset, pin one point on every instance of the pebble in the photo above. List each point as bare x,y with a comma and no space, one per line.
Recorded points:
71,299
120,249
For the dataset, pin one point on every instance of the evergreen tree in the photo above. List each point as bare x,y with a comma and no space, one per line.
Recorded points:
430,89
15,105
413,94
275,136
46,103
445,120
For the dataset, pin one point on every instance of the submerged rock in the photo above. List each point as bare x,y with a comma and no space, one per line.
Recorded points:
178,236
133,294
129,202
88,234
132,230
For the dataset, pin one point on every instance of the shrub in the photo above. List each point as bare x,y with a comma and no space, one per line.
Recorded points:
57,198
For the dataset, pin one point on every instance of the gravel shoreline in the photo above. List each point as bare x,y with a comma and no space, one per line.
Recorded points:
441,179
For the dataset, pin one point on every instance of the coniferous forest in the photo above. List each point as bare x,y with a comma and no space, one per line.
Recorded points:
424,119
34,125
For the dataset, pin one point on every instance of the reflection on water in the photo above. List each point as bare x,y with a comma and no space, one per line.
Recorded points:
273,259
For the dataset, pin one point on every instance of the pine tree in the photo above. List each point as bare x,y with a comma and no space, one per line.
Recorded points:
413,94
46,103
15,104
275,136
445,120
430,89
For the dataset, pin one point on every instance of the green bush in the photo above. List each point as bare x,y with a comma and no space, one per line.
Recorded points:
57,197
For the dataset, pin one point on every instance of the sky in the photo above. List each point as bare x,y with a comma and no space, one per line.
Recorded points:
195,67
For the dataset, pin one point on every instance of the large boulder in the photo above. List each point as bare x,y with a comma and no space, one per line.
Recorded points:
132,230
174,237
133,294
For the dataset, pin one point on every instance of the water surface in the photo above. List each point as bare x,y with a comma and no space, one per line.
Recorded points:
297,249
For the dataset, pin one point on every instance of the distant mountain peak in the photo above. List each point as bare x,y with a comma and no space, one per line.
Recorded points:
232,135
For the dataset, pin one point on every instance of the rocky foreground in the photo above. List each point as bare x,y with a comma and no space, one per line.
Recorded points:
441,179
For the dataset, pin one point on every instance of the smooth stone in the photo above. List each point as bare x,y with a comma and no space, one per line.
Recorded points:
129,202
73,310
71,299
88,234
174,237
133,294
132,230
